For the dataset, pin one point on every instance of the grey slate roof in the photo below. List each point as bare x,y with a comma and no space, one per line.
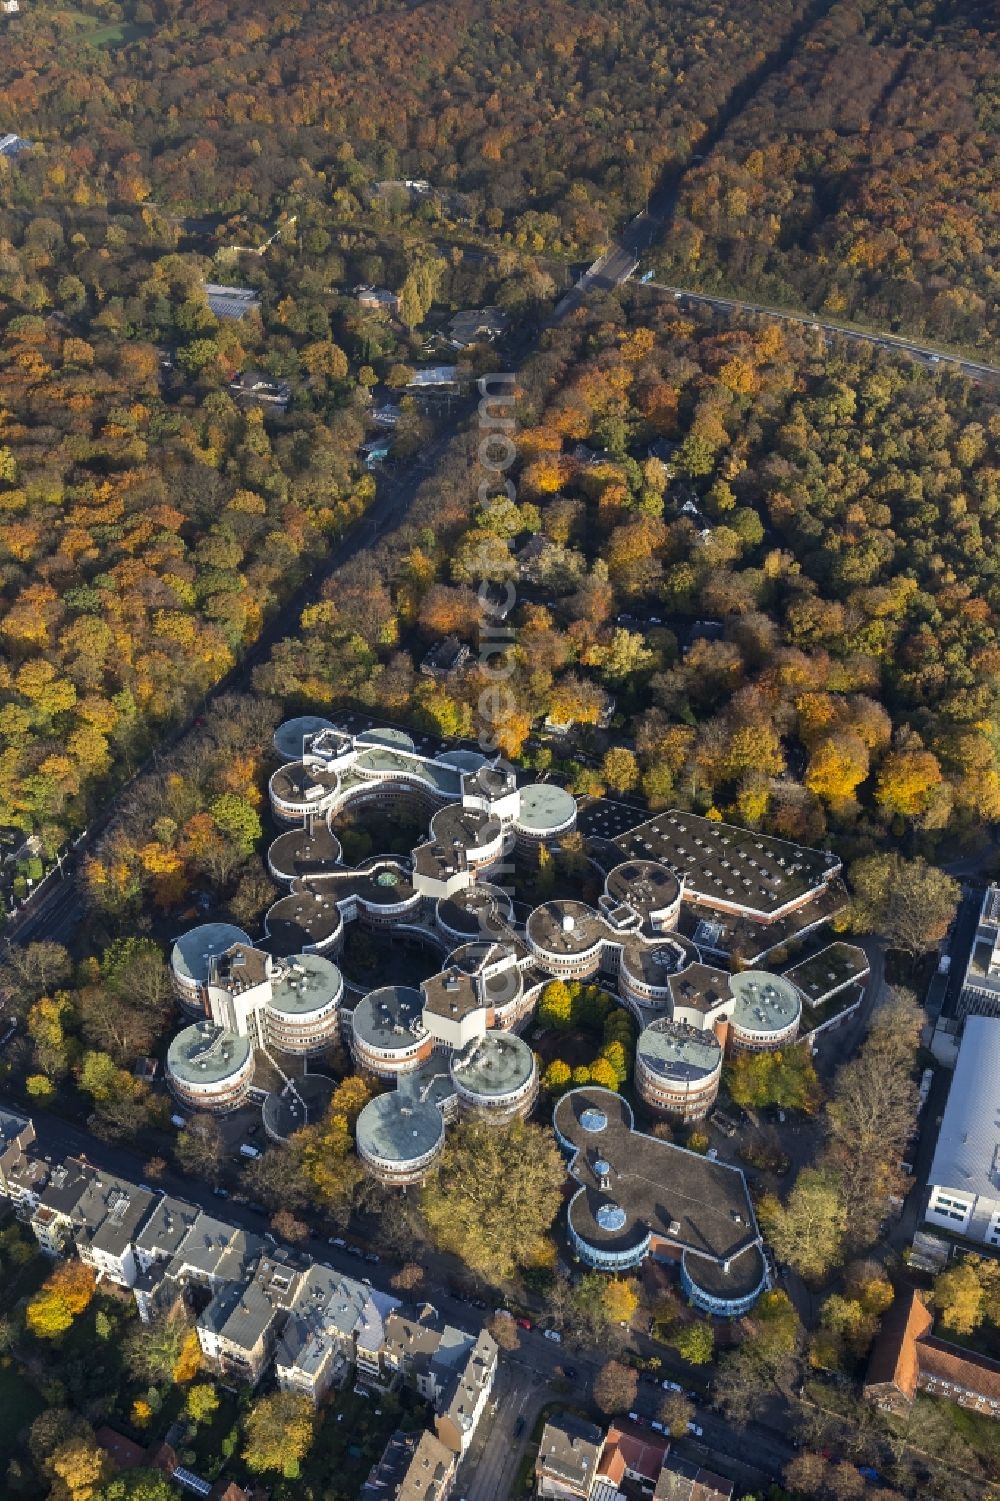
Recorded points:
967,1155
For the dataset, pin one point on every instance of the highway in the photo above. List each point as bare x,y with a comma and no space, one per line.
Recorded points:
927,354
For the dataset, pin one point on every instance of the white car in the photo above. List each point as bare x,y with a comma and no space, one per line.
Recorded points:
553,1334
671,1386
696,1429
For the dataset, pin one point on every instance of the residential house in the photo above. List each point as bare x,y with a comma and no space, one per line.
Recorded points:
682,1480
634,1456
231,302
907,1358
568,1457
466,1371
431,1472
16,1134
106,1220
378,300
52,1220
334,1324
13,145
451,1368
476,326
445,657
257,388
237,1331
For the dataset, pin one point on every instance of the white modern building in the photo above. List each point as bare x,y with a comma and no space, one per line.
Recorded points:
964,1179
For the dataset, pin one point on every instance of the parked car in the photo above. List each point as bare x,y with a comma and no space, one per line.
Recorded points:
553,1334
519,1427
696,1429
657,1426
337,1240
671,1386
523,1323
372,1257
221,1193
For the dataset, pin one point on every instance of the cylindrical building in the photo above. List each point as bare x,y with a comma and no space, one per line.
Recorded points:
766,1014
647,966
399,1139
677,1069
650,889
566,938
480,911
495,1078
388,1036
290,736
209,1069
545,812
191,958
302,1014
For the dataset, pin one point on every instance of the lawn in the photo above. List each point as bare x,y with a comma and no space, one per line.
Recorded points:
20,1404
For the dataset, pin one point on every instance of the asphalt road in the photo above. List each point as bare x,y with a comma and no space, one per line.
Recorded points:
926,354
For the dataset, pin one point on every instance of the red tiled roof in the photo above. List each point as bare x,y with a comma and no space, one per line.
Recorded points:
125,1454
643,1456
894,1358
943,1362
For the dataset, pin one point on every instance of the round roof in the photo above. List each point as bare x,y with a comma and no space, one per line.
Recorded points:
565,927
673,1050
764,1002
306,982
191,954
593,1120
387,735
494,1065
206,1054
288,737
545,806
480,908
462,760
643,884
396,1128
390,1017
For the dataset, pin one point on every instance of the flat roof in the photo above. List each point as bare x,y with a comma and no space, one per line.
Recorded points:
699,1204
566,927
764,1002
399,1128
654,960
193,951
455,827
643,884
498,1064
288,737
831,968
700,987
304,983
390,762
461,760
479,909
305,852
207,1054
303,918
675,1051
545,805
723,863
967,1155
388,735
301,782
390,1017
